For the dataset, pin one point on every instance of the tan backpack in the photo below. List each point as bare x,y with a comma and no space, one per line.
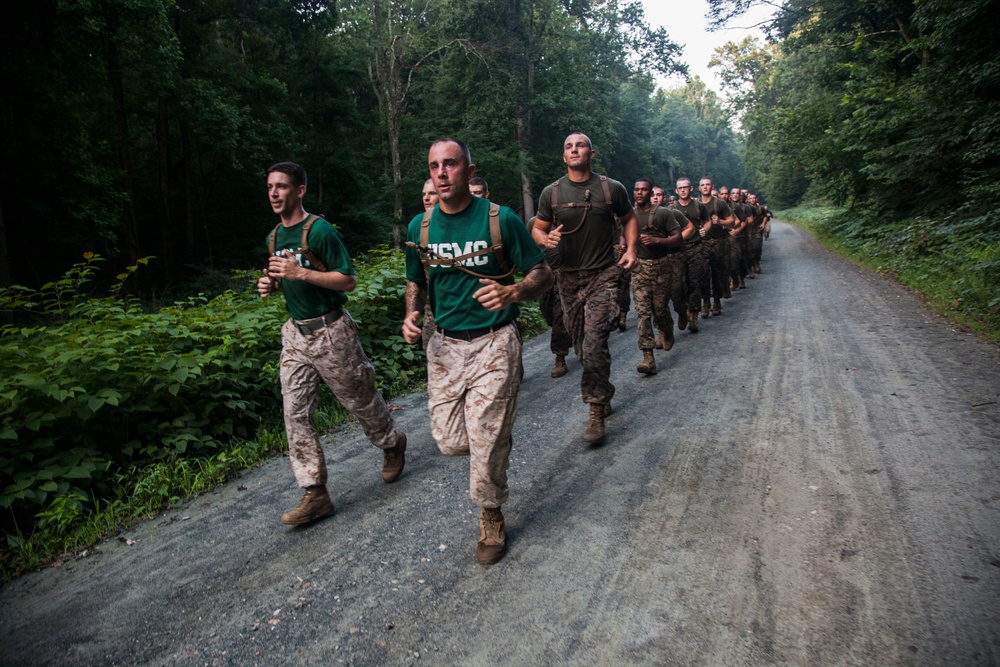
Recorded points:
429,258
304,249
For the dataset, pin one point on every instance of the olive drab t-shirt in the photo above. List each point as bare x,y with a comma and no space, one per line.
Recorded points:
720,208
590,246
452,235
697,213
740,211
304,300
655,222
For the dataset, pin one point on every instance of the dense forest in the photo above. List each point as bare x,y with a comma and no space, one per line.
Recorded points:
141,128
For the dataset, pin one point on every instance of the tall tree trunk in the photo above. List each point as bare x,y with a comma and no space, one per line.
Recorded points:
187,191
113,61
163,160
4,258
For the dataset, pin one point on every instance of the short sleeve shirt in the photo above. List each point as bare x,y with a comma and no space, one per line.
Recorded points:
450,290
697,214
720,208
587,243
655,222
304,300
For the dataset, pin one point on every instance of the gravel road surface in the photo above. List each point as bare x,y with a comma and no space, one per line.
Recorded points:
810,480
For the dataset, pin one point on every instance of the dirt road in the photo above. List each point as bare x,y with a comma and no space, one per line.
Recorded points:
811,480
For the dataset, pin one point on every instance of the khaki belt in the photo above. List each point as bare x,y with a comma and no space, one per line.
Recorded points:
313,324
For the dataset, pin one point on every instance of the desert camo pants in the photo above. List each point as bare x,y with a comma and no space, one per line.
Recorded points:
697,275
592,303
718,265
551,306
649,293
472,395
332,354
625,293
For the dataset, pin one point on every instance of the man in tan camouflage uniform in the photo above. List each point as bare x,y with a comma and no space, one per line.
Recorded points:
576,216
474,357
319,343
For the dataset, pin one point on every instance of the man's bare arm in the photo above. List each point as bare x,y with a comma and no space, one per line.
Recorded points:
494,296
415,299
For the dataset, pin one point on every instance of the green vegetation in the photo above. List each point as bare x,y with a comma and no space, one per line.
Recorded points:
953,265
109,412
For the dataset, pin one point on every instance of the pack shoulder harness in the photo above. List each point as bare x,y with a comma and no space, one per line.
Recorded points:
313,258
430,258
586,204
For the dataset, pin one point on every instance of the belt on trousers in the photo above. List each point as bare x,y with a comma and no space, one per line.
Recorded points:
583,273
313,324
473,334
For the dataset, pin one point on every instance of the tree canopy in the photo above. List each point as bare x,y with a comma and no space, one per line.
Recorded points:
140,128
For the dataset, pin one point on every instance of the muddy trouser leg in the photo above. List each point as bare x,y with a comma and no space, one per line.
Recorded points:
625,292
695,274
592,308
675,277
333,355
747,260
757,242
472,389
717,265
646,281
735,259
552,310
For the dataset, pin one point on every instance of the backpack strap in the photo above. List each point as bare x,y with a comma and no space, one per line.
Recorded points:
586,204
430,258
313,258
304,250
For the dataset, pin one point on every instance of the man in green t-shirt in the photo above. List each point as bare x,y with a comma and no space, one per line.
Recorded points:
658,231
716,237
576,216
319,342
474,357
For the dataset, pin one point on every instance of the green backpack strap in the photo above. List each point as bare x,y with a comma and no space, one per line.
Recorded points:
586,205
497,240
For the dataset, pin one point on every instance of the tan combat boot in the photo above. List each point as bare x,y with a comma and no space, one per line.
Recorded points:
393,460
315,504
693,321
727,292
743,284
559,368
667,339
704,309
682,320
648,364
594,433
492,536
716,307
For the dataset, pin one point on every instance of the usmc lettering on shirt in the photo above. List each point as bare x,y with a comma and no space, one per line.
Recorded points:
300,259
452,250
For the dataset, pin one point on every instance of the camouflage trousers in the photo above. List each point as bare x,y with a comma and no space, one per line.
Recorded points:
737,258
591,300
649,293
625,293
718,265
756,243
551,306
697,275
332,354
745,250
674,267
472,391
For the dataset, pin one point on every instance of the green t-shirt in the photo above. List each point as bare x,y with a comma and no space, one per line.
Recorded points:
658,222
451,235
720,208
304,300
697,213
592,245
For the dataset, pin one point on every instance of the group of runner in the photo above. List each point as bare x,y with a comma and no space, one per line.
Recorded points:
579,256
